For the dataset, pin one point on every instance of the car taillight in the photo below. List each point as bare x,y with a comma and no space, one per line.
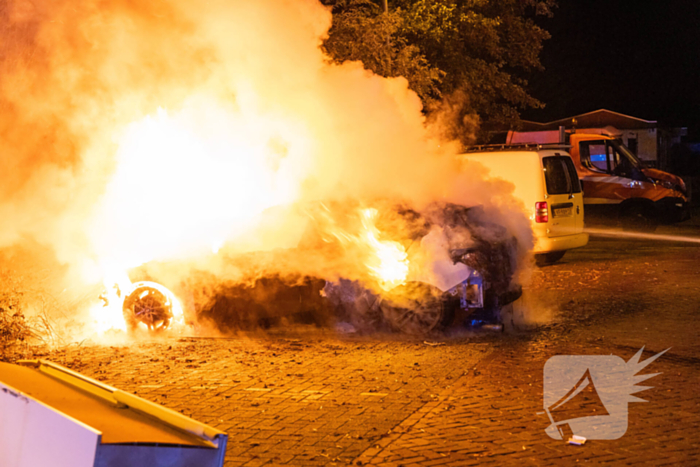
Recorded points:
541,212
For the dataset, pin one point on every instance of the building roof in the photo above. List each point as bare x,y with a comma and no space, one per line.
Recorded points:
595,119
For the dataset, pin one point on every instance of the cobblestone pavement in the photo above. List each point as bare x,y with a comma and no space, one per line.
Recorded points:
497,418
311,398
317,400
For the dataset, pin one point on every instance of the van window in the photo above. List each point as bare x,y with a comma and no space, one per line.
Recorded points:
560,175
573,175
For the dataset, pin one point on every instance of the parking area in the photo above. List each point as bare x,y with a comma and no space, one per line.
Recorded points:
311,396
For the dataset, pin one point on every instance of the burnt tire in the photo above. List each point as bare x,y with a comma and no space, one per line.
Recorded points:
355,304
552,257
417,308
148,305
639,219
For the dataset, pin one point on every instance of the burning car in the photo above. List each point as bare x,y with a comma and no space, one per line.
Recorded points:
385,267
424,270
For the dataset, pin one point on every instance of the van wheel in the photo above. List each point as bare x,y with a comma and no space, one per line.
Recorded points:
549,258
638,219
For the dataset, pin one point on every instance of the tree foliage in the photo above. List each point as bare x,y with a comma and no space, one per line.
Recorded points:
462,53
361,31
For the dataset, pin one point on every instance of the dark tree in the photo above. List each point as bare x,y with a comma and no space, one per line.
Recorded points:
463,55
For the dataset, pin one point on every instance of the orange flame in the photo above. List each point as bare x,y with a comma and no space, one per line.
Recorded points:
389,261
185,183
386,261
108,315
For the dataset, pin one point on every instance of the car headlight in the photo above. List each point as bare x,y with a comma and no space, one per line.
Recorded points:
664,183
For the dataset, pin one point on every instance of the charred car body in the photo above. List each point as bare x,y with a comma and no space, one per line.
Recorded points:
471,277
474,279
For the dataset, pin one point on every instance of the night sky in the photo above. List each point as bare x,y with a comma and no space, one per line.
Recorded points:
638,57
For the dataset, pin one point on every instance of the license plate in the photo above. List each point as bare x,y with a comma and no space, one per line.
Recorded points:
562,212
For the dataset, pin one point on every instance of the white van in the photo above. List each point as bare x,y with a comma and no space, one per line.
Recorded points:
546,182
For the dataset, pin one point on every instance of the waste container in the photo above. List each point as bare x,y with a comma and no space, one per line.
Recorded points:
53,416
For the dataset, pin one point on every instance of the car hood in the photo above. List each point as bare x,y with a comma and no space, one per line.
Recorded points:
662,176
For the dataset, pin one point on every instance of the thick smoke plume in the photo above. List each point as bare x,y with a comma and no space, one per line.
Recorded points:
135,132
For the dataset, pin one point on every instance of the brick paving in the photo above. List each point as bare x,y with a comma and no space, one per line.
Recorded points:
311,401
305,397
495,415
496,418
330,402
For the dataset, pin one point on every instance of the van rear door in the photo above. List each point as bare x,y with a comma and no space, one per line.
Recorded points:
565,200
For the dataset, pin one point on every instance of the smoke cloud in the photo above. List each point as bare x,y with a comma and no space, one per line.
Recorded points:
166,131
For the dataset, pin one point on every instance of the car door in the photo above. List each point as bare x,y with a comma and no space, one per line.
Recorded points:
610,179
576,193
564,195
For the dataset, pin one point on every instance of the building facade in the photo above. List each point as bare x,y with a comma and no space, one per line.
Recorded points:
645,138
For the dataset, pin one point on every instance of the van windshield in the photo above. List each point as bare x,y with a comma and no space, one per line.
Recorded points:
629,155
612,157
